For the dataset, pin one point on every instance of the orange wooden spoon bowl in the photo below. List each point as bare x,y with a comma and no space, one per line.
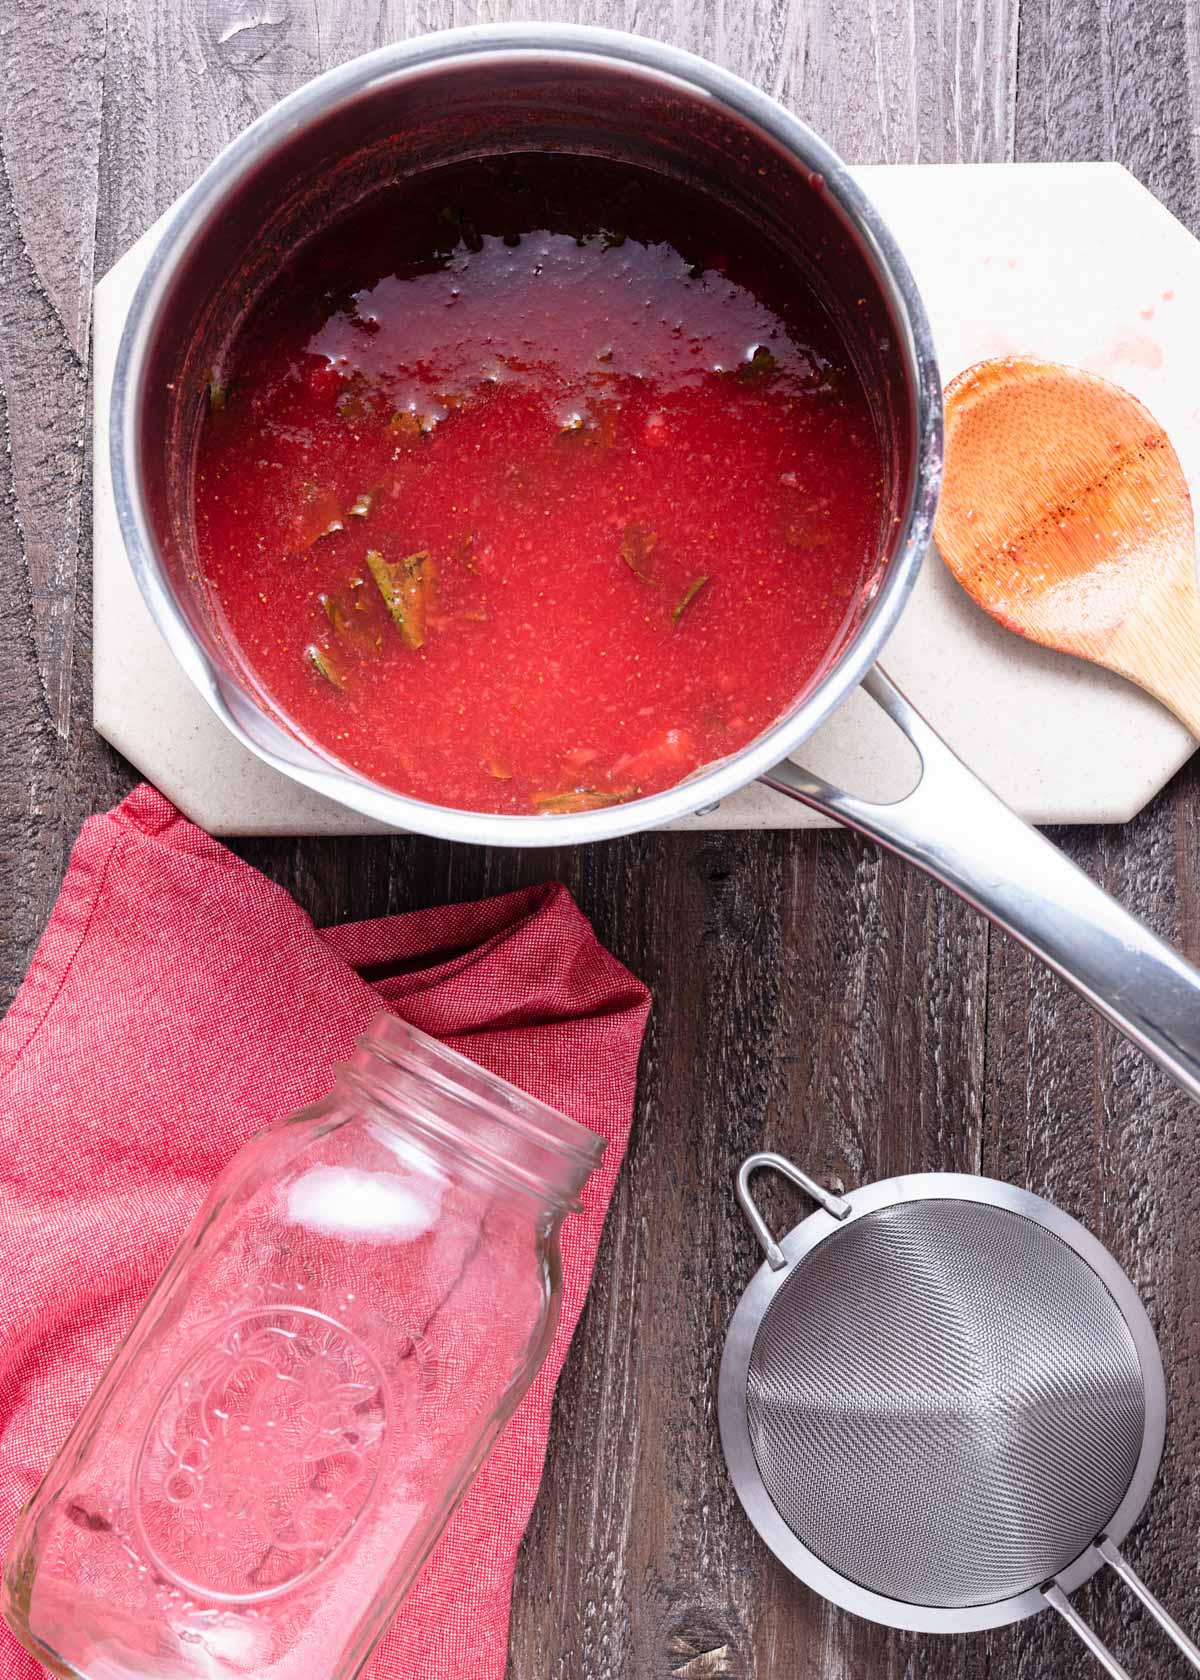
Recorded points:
1066,514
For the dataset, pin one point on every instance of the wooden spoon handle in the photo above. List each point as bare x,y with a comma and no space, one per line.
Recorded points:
1159,649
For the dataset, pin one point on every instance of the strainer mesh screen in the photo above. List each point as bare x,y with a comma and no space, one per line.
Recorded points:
945,1403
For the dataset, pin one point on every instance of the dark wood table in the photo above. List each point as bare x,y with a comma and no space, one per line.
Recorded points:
812,996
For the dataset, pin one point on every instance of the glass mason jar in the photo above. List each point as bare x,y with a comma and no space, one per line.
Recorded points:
359,1306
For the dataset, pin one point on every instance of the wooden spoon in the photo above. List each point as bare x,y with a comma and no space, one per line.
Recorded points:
1066,515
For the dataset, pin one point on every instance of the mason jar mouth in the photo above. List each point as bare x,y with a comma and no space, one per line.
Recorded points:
487,1125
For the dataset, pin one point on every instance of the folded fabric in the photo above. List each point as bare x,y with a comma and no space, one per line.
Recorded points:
178,1002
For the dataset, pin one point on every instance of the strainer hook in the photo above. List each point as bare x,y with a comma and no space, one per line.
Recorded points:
834,1205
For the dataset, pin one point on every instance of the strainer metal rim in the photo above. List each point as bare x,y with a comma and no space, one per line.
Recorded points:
733,1413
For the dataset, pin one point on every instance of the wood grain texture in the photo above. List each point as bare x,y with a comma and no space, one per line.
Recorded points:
51,73
1072,1108
811,995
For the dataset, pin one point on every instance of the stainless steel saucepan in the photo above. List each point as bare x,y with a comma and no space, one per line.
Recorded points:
482,91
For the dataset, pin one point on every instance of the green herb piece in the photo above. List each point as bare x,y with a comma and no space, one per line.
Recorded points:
318,515
637,545
761,367
464,553
218,391
807,528
405,587
323,662
405,423
351,623
360,507
352,406
689,595
808,534
580,799
596,429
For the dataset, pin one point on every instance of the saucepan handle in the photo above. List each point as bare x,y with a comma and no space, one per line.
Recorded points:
955,828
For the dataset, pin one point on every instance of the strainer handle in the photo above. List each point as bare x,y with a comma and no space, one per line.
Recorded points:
1116,1561
1111,1555
955,828
835,1205
1058,1599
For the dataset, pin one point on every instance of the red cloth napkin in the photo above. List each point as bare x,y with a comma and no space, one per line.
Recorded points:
179,1001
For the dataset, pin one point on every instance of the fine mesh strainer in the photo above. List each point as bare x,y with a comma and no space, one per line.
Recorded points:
942,1404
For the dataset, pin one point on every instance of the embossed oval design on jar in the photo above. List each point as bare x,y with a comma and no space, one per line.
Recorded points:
261,1455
